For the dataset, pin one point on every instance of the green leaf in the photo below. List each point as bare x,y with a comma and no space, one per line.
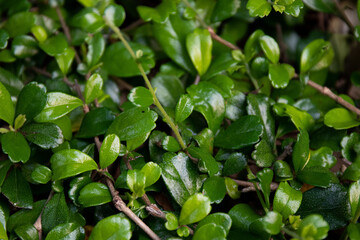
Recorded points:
340,118
168,89
354,197
56,212
171,37
272,222
115,14
31,100
265,177
45,135
89,19
39,33
65,59
93,88
76,185
287,200
24,46
235,163
169,143
270,48
12,83
327,6
316,55
243,132
242,216
258,8
219,65
282,171
294,9
58,104
6,56
109,151
232,188
70,162
301,153
152,173
172,222
160,14
353,231
94,194
194,209
314,226
210,231
118,61
113,227
352,172
199,46
207,162
20,23
214,187
4,37
54,45
17,190
180,176
301,119
280,74
66,231
220,219
135,180
41,174
322,157
263,154
96,48
224,10
64,124
27,232
140,97
184,108
332,203
349,147
252,45
133,123
95,123
7,111
19,121
4,168
16,147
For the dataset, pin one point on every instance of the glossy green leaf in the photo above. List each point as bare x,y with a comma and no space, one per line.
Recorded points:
76,185
180,176
68,163
20,23
54,45
235,163
113,227
294,9
258,8
64,124
301,153
265,177
160,14
314,226
194,209
152,173
252,45
7,111
24,46
332,203
214,187
219,219
349,146
301,119
58,104
95,123
19,121
172,222
224,9
89,19
168,89
287,200
327,6
41,174
243,132
56,212
16,147
219,65
322,157
242,215
135,180
282,171
232,188
316,55
207,162
272,222
39,33
4,36
12,83
263,154
109,151
270,48
6,56
184,108
353,231
27,232
354,197
210,231
199,46
96,48
65,59
93,88
115,14
31,100
133,123
66,231
169,143
140,97
352,172
280,74
45,135
340,118
4,168
171,36
17,190
118,61
94,194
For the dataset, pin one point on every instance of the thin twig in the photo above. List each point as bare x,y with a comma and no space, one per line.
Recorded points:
221,40
133,25
287,152
197,80
122,84
343,16
41,71
249,186
37,224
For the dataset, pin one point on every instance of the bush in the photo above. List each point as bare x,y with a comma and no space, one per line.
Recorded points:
212,119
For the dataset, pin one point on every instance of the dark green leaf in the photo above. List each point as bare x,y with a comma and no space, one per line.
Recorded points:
20,23
141,97
184,108
282,171
210,231
45,135
219,65
41,174
75,187
160,14
68,163
4,168
207,162
301,154
242,215
263,154
16,147
340,118
287,200
7,109
180,176
109,151
11,82
234,164
54,45
93,88
27,232
327,6
243,132
195,209
265,177
214,187
24,46
113,227
169,143
349,147
94,194
115,14
25,216
301,119
96,49
66,231
55,212
322,157
225,9
4,36
65,59
17,190
168,89
353,231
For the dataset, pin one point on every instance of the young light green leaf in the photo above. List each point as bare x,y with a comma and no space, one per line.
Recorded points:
115,14
94,194
7,111
93,88
232,188
16,147
141,97
220,219
199,46
272,222
207,163
316,222
116,226
70,162
270,48
152,173
135,180
172,222
301,154
195,209
19,121
65,59
287,200
354,196
110,150
45,135
340,118
39,32
301,119
184,108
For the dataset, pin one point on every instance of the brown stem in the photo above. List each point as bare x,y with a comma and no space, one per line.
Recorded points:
343,16
287,152
134,25
37,224
221,40
197,80
122,84
41,71
249,186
